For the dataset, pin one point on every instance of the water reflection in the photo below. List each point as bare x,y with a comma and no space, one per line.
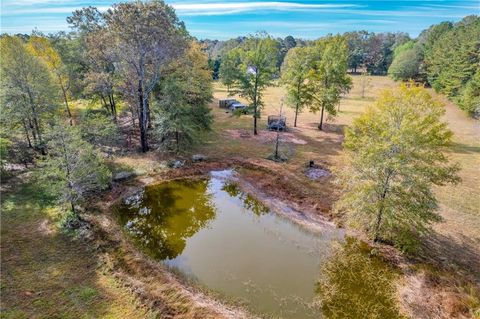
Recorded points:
164,216
356,284
209,230
249,202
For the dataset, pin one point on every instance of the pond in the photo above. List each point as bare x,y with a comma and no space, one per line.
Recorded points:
226,240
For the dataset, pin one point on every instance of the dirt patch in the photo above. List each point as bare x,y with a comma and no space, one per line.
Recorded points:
316,173
45,227
265,136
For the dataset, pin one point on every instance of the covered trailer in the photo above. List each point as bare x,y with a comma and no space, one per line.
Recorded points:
277,123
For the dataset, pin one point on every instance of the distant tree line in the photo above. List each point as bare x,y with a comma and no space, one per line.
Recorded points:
217,50
447,57
368,51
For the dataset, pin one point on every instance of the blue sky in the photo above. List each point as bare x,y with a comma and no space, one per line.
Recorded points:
221,19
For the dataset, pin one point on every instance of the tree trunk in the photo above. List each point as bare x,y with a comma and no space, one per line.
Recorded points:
26,133
296,114
73,208
113,107
104,102
255,102
35,122
33,131
320,126
149,122
298,103
255,121
66,103
377,225
142,118
380,210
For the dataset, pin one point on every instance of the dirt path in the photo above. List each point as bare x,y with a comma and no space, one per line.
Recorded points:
48,274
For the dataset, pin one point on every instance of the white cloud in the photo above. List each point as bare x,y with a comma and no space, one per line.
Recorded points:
47,10
224,8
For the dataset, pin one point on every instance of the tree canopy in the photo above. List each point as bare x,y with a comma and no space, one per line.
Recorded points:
328,77
394,157
73,169
447,56
407,62
295,70
256,70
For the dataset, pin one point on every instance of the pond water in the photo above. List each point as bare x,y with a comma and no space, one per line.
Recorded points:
224,239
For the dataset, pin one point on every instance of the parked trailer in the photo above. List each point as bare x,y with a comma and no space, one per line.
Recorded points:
277,123
237,106
225,103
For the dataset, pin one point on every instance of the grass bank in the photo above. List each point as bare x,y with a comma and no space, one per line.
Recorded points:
47,273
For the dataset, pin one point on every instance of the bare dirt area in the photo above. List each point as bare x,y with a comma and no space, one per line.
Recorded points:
265,136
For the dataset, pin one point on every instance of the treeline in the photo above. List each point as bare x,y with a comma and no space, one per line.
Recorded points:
447,57
217,49
368,51
135,60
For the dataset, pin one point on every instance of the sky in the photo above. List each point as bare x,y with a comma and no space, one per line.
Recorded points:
221,19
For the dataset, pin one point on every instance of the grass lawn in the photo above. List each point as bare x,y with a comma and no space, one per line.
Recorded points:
49,274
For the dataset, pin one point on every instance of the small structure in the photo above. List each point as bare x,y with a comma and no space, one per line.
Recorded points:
225,103
276,123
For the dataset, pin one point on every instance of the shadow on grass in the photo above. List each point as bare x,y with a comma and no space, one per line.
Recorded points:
461,148
329,128
460,255
45,272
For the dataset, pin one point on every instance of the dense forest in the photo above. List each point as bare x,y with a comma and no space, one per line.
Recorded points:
105,61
